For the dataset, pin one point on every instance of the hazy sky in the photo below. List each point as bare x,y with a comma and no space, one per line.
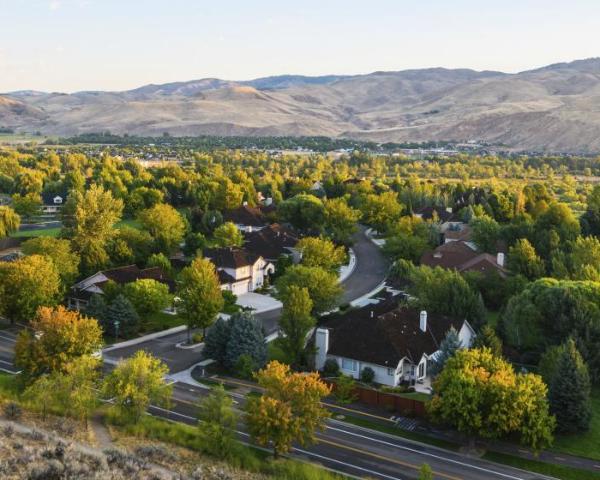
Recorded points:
68,45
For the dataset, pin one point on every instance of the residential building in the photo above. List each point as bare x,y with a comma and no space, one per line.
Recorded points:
52,203
463,257
271,242
396,341
246,219
239,271
80,294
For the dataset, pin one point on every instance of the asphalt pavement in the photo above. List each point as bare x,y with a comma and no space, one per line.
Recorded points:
8,338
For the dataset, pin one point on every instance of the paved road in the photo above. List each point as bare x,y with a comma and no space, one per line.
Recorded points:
370,271
362,452
8,338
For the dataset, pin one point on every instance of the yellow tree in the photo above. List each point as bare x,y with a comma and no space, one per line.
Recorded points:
56,337
290,408
321,252
9,221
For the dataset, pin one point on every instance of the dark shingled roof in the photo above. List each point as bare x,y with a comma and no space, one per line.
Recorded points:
460,256
245,215
131,273
271,241
442,214
388,335
230,257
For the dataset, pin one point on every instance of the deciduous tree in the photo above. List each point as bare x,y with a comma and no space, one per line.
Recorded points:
166,226
320,252
148,296
295,323
228,235
218,422
9,221
59,251
323,286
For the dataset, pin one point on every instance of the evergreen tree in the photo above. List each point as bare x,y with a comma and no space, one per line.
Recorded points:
96,308
487,338
246,337
215,344
569,392
121,310
448,348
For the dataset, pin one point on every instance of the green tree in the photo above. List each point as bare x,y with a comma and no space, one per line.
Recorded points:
228,235
485,233
97,308
585,256
523,260
148,296
27,206
296,322
246,337
218,422
165,225
121,318
487,338
194,244
59,251
217,338
448,348
341,221
425,472
289,410
303,211
570,390
55,338
27,284
323,286
89,217
200,297
344,389
9,221
480,394
380,211
320,252
161,261
137,382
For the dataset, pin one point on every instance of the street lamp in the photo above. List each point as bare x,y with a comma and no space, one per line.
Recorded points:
117,323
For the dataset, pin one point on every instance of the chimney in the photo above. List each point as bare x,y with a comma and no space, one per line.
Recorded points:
322,344
372,314
423,320
500,259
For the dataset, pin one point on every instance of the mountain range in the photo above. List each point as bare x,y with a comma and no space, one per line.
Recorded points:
554,108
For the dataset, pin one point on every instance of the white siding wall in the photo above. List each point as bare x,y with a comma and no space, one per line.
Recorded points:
383,375
466,335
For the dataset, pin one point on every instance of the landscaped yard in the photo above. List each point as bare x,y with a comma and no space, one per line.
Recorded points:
586,444
41,232
161,321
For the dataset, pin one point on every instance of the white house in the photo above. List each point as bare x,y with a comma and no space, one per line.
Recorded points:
239,271
52,204
396,343
246,219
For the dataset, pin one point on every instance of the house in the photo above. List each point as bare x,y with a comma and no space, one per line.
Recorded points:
463,257
239,271
246,219
444,217
397,342
81,292
271,242
52,203
458,232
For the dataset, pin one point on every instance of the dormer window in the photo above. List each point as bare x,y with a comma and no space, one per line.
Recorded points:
58,200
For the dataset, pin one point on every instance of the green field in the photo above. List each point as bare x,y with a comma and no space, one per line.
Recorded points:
585,444
42,232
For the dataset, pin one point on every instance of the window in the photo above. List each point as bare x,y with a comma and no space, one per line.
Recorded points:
348,364
421,370
390,372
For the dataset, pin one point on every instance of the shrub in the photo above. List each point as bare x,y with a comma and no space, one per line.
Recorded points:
197,337
245,366
367,375
344,391
331,368
12,411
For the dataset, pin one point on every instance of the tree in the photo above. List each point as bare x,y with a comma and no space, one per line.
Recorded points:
27,206
590,220
341,221
289,410
161,261
480,394
166,226
487,338
194,243
523,260
215,343
129,245
320,252
199,292
344,389
121,317
585,256
569,392
228,235
296,322
305,212
425,472
89,217
448,348
380,211
218,422
9,221
485,233
59,251
556,226
55,337
148,296
137,382
97,308
25,285
323,286
246,337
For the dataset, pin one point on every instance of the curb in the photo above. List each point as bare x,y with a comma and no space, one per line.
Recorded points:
150,336
351,267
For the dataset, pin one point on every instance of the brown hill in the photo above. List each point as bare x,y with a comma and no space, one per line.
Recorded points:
555,108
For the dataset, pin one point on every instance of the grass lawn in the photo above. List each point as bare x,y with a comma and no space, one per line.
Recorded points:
423,397
9,387
41,232
585,444
130,222
161,321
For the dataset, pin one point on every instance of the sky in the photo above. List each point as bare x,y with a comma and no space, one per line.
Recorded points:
71,45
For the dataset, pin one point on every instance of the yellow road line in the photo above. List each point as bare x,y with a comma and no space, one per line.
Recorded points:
387,459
